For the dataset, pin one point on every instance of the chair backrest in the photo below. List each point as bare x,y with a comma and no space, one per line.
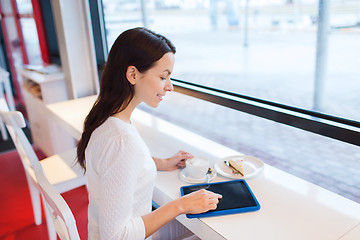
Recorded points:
60,212
5,80
5,107
14,122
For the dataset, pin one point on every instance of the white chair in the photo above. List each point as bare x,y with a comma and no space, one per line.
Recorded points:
57,209
5,80
62,171
2,125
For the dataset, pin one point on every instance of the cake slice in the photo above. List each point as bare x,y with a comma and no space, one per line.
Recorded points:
237,165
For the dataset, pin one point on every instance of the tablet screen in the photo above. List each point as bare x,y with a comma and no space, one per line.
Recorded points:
237,197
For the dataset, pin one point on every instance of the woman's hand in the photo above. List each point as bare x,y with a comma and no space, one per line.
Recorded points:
172,163
193,203
199,202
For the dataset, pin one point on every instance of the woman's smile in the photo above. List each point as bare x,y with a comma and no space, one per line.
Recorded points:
160,97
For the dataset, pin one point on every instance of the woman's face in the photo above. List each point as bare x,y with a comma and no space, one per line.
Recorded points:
152,85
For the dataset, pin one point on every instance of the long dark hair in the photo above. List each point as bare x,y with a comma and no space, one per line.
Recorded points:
137,47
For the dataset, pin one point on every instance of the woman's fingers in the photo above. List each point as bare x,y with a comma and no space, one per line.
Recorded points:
184,155
202,201
213,206
181,164
179,159
214,201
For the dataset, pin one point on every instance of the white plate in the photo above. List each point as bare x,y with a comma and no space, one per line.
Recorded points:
183,175
252,167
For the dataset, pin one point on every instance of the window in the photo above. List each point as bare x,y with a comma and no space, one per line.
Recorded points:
29,32
297,56
279,62
24,35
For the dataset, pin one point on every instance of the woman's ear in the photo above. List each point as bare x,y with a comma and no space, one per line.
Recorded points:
131,74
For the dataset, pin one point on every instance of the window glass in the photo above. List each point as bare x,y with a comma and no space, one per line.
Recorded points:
29,32
24,6
31,39
264,49
121,15
13,38
269,50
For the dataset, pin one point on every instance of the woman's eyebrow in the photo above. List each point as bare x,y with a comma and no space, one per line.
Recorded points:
167,71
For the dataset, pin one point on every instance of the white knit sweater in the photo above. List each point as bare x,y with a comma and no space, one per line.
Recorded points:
121,175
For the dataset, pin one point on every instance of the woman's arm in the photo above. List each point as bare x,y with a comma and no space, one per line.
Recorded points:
172,163
193,203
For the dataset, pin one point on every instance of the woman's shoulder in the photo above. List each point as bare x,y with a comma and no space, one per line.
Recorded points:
113,132
113,127
108,142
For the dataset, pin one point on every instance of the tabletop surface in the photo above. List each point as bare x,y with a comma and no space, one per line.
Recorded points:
291,208
352,234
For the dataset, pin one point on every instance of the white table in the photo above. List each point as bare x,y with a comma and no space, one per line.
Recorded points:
352,234
291,208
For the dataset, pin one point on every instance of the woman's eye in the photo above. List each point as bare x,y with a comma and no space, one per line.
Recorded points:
162,78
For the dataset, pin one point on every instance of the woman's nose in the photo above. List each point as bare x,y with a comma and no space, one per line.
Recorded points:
169,86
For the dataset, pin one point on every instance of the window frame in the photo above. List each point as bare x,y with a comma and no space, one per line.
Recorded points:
331,126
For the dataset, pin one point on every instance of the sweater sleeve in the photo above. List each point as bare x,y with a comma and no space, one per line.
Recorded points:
118,173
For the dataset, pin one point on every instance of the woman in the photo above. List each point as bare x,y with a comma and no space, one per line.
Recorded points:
120,170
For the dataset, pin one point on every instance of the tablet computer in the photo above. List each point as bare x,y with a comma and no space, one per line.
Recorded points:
237,197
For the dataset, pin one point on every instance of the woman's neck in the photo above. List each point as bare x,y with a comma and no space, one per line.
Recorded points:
125,115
